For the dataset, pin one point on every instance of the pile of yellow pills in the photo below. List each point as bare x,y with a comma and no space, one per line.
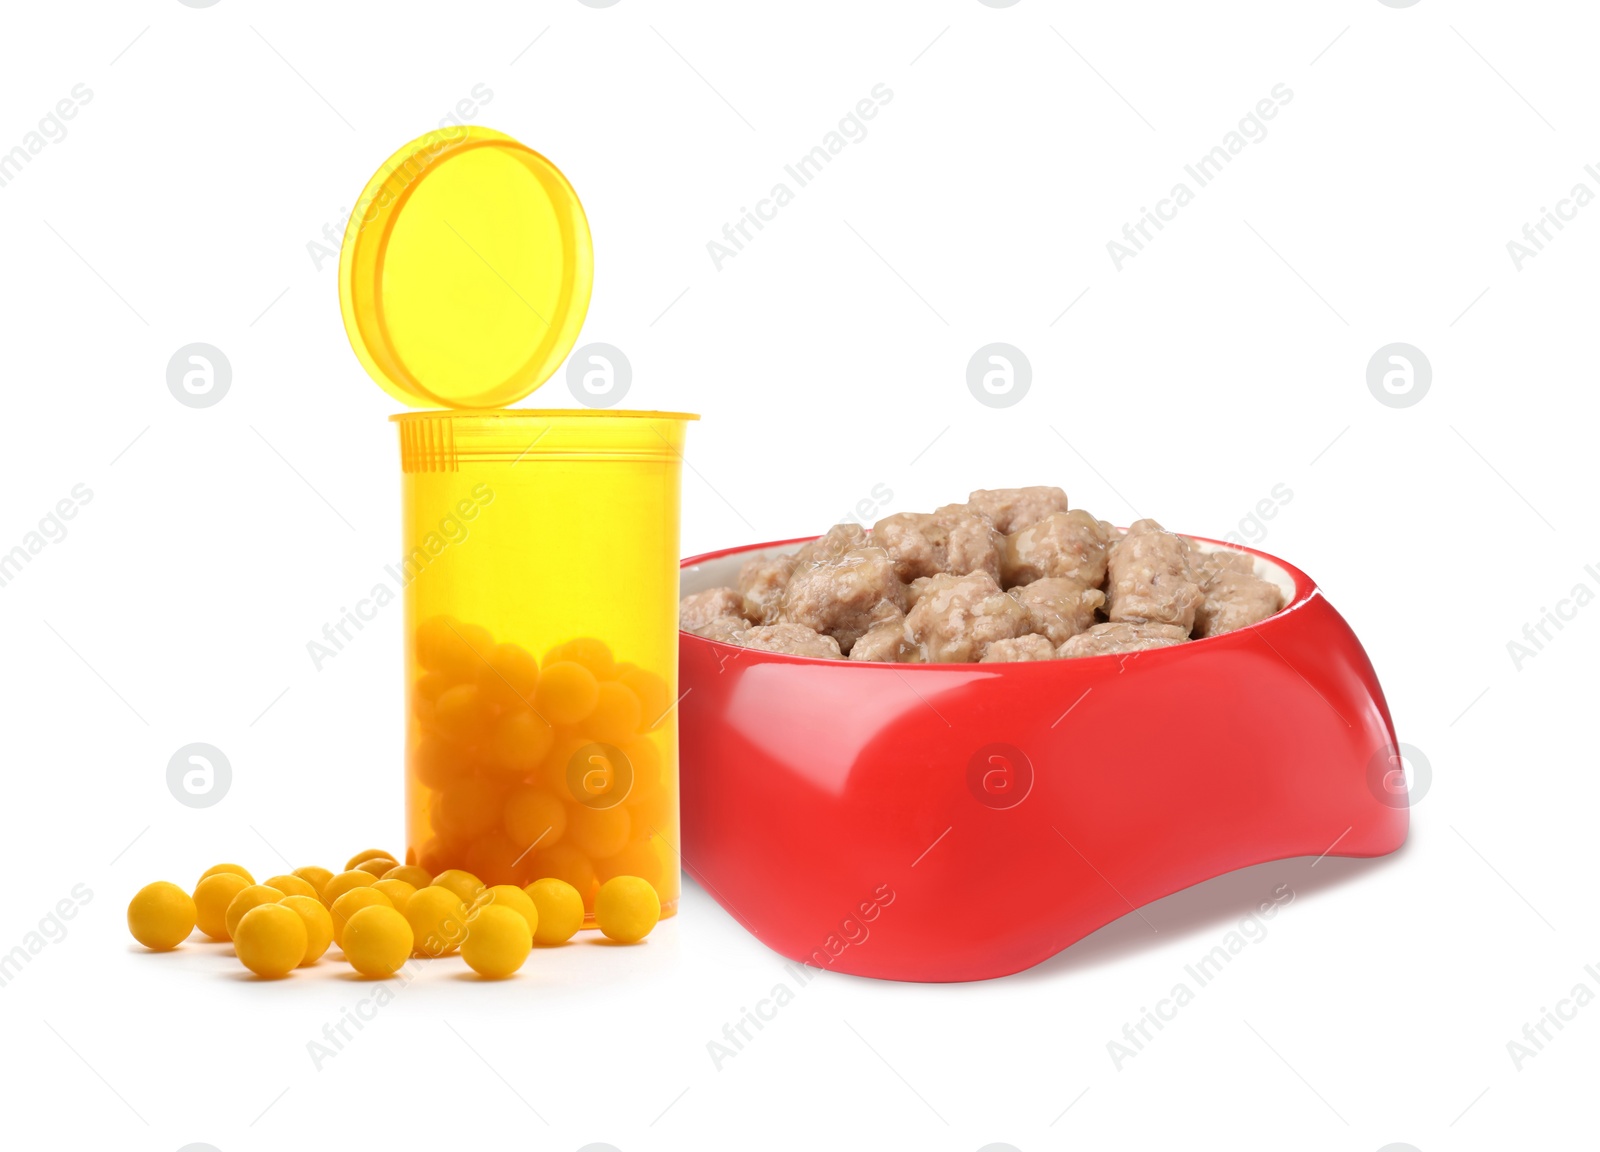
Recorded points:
627,908
161,916
270,940
293,919
377,940
498,941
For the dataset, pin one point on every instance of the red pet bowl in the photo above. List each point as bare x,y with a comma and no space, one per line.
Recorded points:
947,822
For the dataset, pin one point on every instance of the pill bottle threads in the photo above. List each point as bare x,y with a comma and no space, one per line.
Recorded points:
539,578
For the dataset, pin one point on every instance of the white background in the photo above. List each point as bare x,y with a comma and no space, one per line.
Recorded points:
828,358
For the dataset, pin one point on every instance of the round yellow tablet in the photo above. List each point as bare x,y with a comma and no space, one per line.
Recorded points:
398,892
508,675
464,884
438,920
592,653
338,885
626,909
377,866
514,898
352,902
211,899
534,817
234,869
377,941
559,908
315,876
412,874
161,916
319,926
367,854
566,693
251,897
292,885
270,940
498,941
617,716
599,832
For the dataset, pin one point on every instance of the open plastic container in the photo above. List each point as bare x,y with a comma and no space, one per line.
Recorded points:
540,547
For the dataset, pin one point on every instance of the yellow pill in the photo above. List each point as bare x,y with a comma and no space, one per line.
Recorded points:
518,742
436,761
508,675
211,899
161,916
316,877
599,832
559,908
292,885
464,884
564,862
467,807
270,940
567,692
413,874
654,699
251,897
617,714
438,920
642,858
593,654
498,941
338,885
399,892
552,774
514,898
318,922
378,865
626,909
352,902
367,854
461,712
446,645
233,869
377,941
534,817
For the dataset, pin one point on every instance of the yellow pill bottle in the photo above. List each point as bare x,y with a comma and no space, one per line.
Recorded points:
538,560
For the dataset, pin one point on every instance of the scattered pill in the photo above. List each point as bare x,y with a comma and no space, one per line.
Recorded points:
343,882
292,885
560,910
352,902
367,854
270,940
498,941
377,866
377,941
464,884
316,877
161,916
234,869
627,908
412,874
568,864
252,896
514,898
211,899
438,920
318,924
398,891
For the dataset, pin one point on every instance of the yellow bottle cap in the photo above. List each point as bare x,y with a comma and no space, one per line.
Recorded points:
465,272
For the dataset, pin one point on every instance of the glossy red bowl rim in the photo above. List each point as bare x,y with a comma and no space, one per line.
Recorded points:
1305,589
